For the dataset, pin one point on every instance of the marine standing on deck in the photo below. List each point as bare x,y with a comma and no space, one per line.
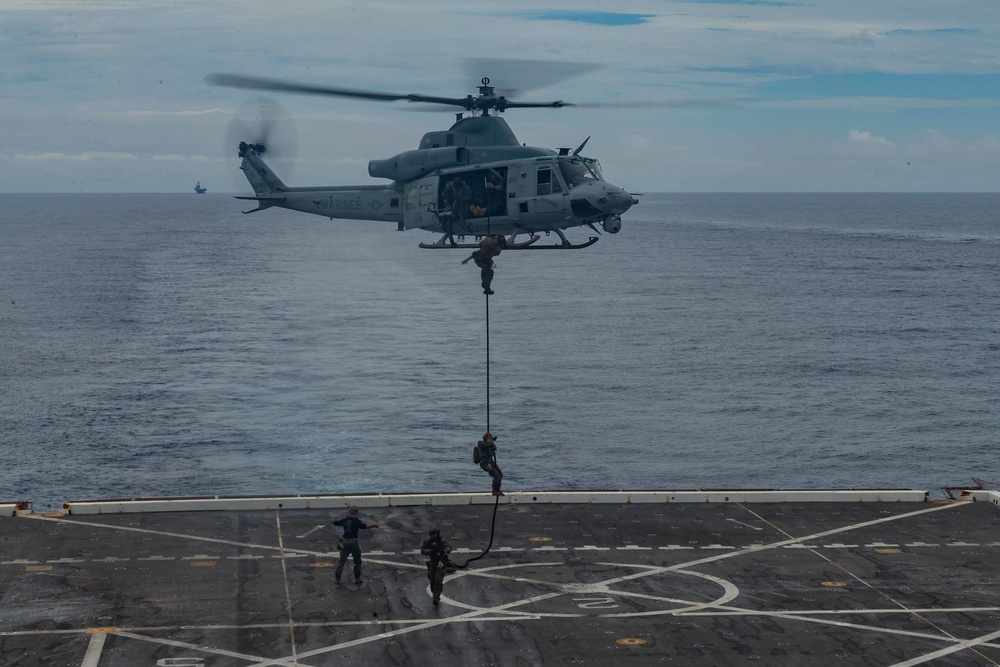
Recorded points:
348,544
437,551
485,454
488,249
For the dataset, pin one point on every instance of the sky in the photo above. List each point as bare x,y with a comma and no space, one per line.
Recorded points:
714,95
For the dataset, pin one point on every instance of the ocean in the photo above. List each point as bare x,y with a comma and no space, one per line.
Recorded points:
157,345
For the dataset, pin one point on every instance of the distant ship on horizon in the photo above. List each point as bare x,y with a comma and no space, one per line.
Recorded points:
200,190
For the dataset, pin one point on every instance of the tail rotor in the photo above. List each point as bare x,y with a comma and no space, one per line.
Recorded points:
264,126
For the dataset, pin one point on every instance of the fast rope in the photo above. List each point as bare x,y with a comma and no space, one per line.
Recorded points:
496,503
488,363
488,218
493,528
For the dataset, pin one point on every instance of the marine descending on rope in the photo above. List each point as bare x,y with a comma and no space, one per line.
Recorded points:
490,247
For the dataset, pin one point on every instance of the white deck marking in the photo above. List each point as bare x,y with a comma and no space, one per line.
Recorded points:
310,532
93,655
730,591
288,592
814,536
735,611
515,615
303,553
859,626
745,524
874,589
948,650
147,531
720,609
429,624
202,648
250,626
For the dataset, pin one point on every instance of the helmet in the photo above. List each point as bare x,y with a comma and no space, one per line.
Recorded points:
352,510
435,531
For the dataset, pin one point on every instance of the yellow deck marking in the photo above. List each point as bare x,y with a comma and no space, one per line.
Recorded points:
38,568
539,539
630,641
888,550
104,630
834,584
203,563
322,565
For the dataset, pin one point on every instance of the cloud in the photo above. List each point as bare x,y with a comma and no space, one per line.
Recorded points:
755,3
580,16
89,156
139,113
61,5
932,31
859,137
877,104
111,89
344,160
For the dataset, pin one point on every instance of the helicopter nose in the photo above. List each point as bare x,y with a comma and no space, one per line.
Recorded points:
616,201
601,199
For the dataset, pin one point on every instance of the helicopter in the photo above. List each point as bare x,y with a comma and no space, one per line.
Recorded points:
474,179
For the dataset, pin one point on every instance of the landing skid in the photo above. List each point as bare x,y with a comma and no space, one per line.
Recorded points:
563,246
444,242
526,245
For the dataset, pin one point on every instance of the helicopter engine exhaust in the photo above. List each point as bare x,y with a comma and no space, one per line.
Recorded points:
612,224
414,164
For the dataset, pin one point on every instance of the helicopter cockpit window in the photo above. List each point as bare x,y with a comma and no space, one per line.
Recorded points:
595,167
579,171
547,184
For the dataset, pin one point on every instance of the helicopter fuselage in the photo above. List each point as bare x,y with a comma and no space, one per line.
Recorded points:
472,180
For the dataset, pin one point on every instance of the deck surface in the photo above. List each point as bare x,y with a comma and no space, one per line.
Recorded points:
565,584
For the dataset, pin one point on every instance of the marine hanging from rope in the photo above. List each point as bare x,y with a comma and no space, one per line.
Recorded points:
490,247
485,454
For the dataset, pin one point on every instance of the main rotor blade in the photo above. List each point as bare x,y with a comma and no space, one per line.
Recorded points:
558,104
513,76
259,83
669,104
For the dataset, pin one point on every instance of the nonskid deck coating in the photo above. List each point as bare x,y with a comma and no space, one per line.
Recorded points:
825,583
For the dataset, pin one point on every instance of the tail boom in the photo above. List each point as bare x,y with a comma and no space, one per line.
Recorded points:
357,202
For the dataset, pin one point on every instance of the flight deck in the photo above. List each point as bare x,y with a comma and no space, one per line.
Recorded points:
881,577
